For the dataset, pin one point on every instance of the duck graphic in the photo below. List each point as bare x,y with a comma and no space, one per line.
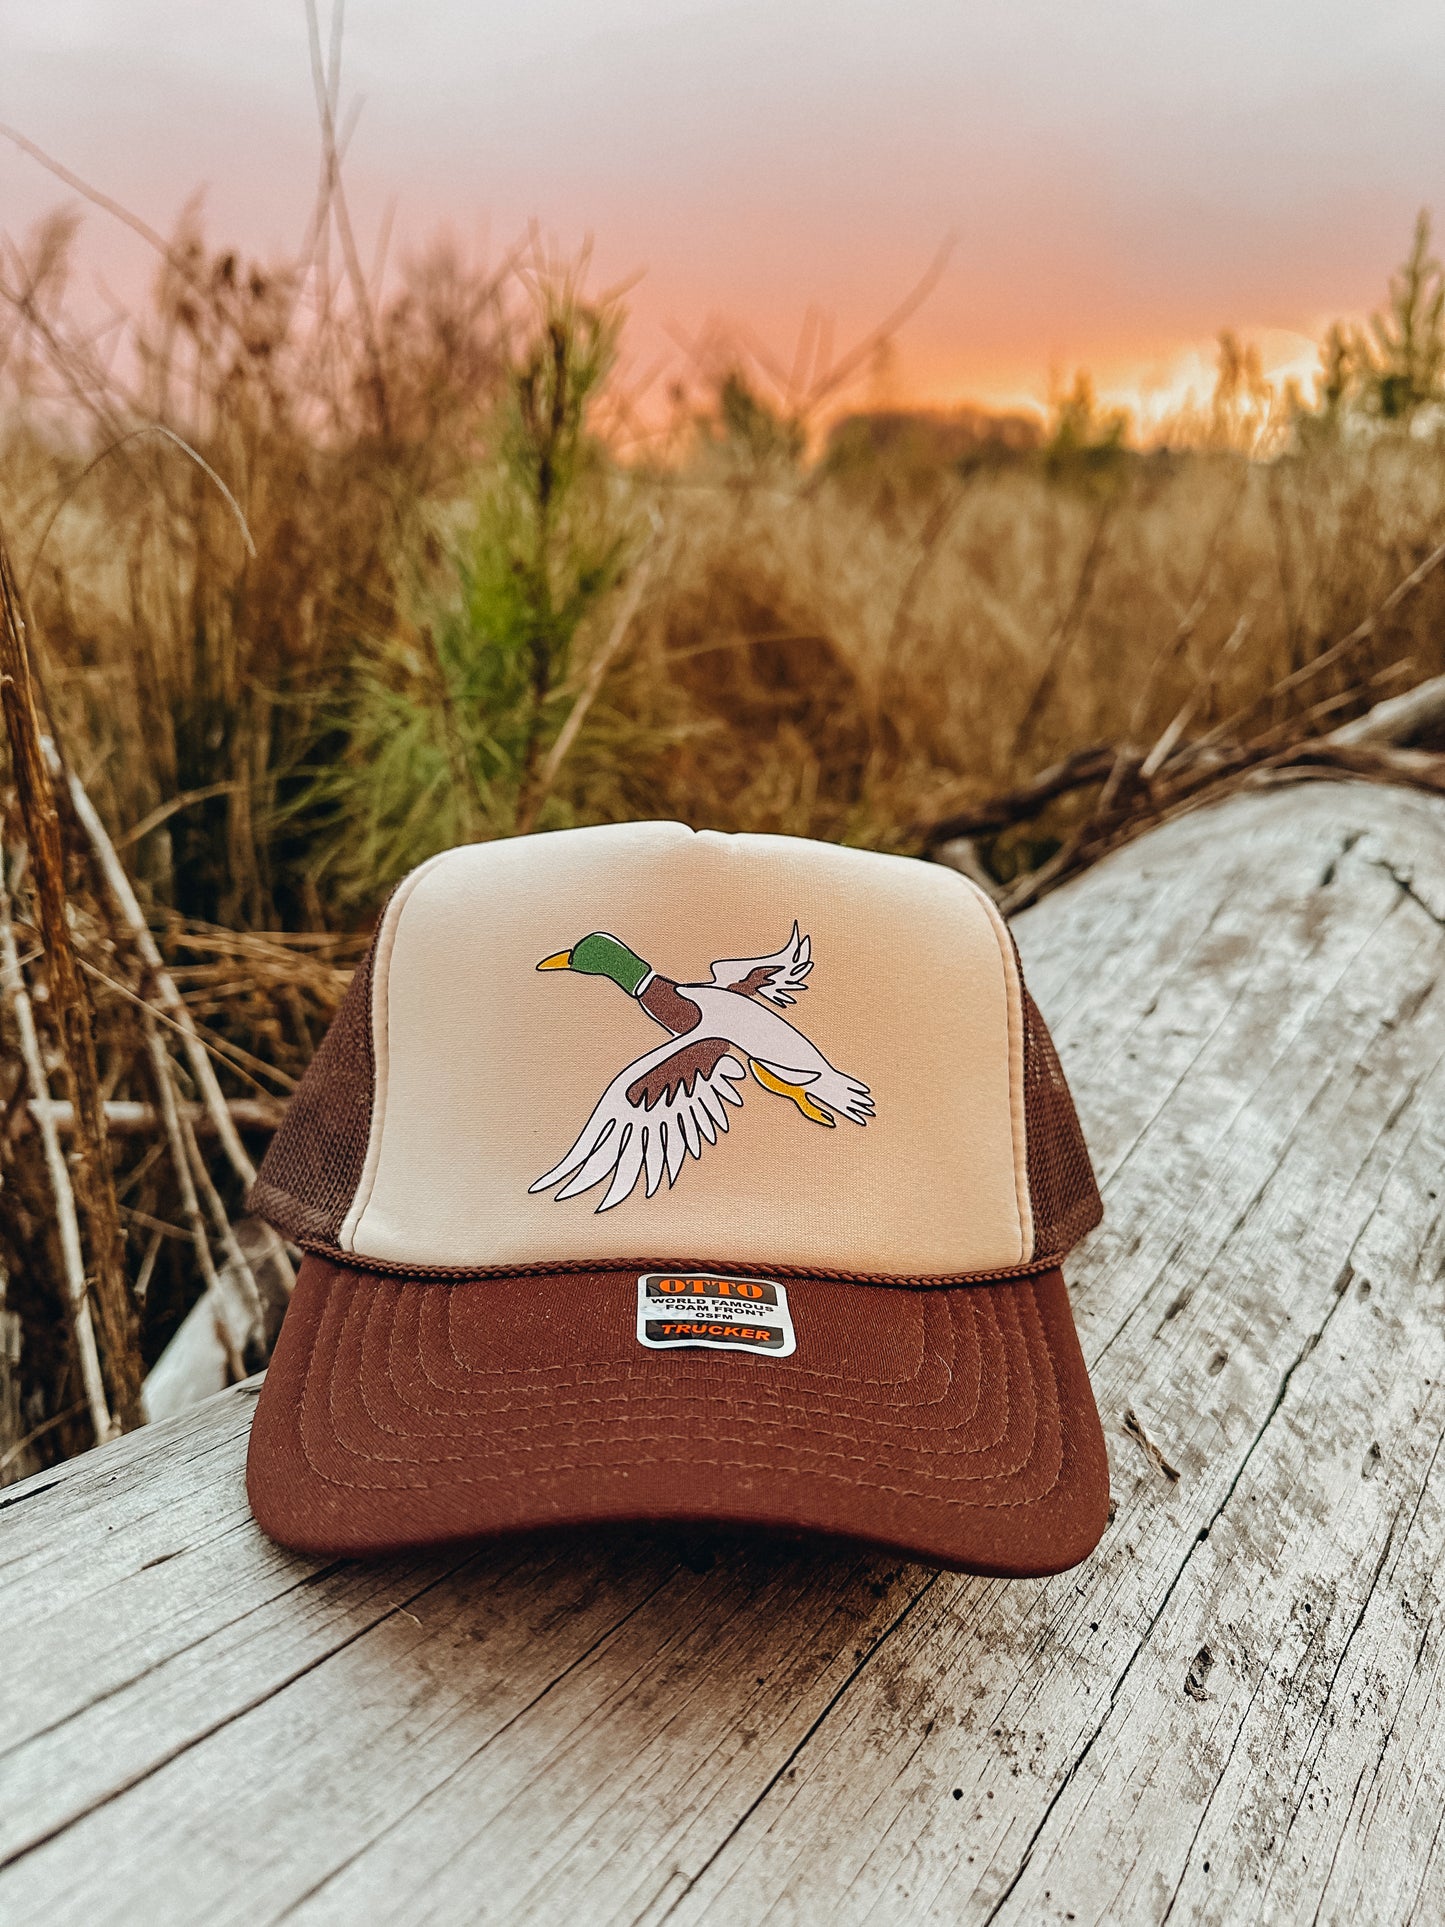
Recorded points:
666,1105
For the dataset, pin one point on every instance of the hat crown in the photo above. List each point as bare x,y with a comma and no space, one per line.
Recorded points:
836,1069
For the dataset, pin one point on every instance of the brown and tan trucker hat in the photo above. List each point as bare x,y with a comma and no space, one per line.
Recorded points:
648,1174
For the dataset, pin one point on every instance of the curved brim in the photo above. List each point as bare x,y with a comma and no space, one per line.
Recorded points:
955,1426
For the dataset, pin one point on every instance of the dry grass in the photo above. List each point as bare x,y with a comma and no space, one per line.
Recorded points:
319,580
846,661
842,658
841,650
196,611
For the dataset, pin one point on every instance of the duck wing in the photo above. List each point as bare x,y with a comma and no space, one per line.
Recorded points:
778,978
656,1113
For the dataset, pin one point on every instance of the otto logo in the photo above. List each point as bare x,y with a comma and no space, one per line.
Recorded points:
712,1287
744,1314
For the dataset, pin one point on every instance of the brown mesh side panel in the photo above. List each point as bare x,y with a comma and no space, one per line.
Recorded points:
1065,1198
309,1175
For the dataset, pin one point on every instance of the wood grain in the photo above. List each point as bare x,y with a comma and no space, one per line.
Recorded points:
1235,1710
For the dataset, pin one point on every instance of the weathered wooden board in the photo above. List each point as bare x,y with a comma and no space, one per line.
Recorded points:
1234,1711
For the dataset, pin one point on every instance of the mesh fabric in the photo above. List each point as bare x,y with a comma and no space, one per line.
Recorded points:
309,1175
1062,1190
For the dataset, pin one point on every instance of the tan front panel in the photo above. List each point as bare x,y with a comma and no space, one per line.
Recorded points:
489,1070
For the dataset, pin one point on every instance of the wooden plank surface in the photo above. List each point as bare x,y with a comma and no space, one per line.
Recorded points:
1235,1710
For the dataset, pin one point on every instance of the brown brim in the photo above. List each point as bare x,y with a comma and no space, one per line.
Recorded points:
954,1425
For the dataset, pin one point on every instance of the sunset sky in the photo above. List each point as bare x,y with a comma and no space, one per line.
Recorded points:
1123,177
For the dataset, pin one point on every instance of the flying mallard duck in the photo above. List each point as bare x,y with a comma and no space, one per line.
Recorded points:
662,1108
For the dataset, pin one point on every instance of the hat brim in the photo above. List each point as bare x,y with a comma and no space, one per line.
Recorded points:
952,1425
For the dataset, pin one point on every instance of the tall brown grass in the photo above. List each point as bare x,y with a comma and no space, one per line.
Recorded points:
321,579
833,648
207,536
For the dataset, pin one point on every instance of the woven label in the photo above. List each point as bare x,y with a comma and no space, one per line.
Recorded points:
721,1314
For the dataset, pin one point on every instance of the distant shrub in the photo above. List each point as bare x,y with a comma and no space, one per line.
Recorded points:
1083,436
744,426
1391,371
918,444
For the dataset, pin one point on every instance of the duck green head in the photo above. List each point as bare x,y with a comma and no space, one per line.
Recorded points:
600,955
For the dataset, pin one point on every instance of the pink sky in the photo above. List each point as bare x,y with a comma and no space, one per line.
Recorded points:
1122,177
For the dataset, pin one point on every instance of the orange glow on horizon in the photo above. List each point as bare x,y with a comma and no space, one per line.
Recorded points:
1117,181
1153,384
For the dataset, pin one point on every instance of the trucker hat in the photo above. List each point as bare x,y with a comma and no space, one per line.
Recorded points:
653,1175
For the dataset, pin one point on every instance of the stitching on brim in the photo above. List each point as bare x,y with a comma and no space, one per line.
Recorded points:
421,1274
735,1402
823,1384
931,1495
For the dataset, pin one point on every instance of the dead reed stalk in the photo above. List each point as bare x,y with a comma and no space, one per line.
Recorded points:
67,1224
94,1185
